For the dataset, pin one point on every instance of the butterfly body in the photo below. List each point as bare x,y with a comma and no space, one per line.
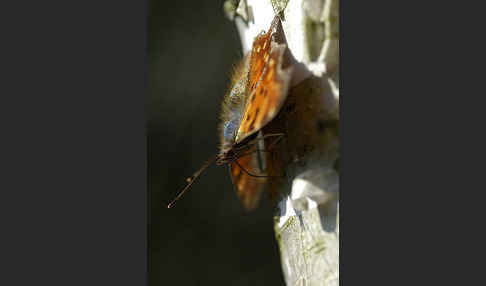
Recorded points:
233,106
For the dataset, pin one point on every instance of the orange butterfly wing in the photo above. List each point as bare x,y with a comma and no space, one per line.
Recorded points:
248,188
267,90
260,51
268,84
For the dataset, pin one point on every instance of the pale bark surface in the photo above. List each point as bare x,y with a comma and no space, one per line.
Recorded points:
307,216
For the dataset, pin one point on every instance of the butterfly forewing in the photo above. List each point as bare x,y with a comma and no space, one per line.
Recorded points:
259,53
268,83
267,98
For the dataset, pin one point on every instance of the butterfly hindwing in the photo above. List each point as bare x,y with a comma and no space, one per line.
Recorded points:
248,188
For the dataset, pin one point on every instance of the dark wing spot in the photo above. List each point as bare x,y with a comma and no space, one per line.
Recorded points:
256,112
253,97
252,124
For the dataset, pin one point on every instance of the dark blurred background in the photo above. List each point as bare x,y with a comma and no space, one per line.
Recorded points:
207,239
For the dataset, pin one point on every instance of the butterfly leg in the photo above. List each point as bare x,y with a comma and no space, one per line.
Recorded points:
253,175
279,135
279,138
273,135
251,143
268,150
238,155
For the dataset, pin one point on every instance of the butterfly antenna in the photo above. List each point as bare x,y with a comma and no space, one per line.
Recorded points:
191,180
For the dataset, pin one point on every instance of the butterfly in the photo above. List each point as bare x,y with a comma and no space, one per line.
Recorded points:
258,90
